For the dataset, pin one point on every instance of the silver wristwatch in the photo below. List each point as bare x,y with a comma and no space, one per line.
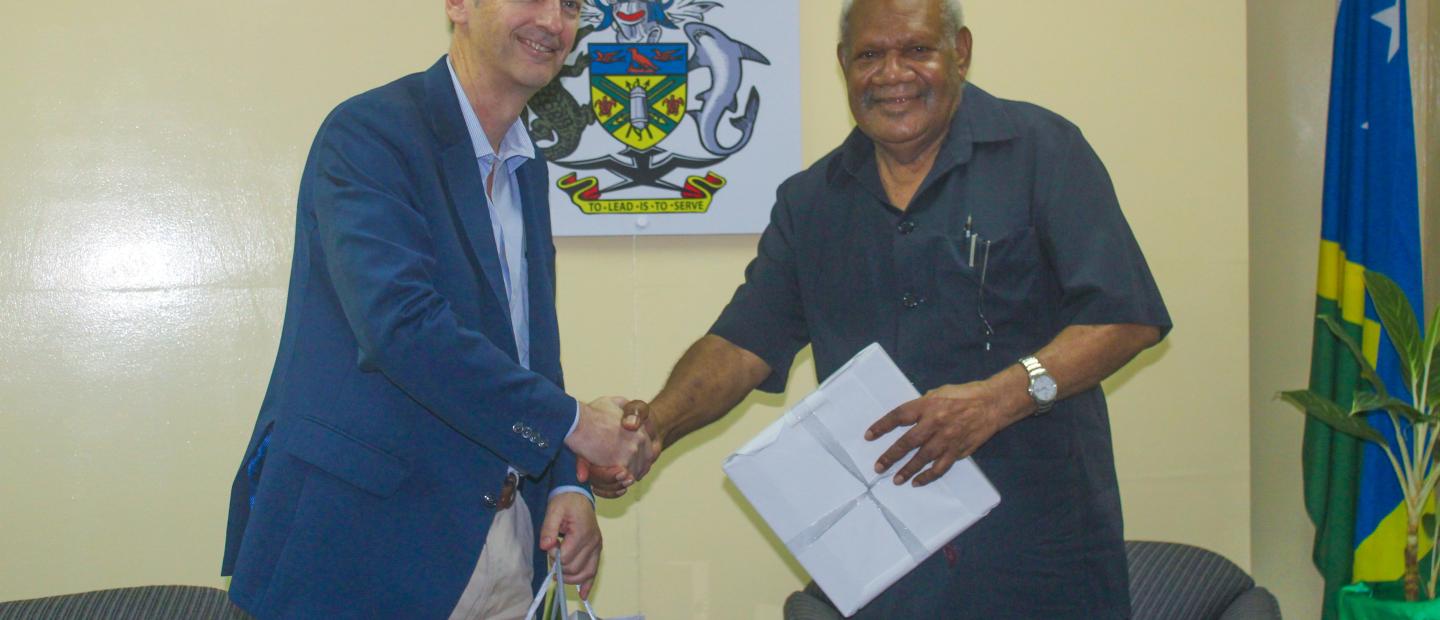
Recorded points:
1043,389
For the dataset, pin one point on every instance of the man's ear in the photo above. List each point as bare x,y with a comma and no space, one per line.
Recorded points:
964,44
459,11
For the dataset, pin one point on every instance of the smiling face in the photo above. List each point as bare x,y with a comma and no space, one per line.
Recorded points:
522,42
902,70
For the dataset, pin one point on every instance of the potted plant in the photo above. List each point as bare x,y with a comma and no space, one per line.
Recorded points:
1414,457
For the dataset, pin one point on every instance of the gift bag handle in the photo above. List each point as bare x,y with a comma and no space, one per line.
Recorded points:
556,575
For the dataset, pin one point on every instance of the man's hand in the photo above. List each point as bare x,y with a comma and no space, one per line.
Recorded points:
612,482
711,378
572,516
600,441
947,424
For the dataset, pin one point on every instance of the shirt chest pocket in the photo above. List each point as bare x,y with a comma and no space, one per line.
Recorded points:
1001,291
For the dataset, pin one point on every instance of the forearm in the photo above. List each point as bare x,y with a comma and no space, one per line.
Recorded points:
709,380
1079,358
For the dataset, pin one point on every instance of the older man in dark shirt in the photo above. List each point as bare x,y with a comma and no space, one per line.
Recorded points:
980,242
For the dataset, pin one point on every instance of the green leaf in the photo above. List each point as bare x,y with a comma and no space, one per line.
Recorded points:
1367,370
1433,394
1404,409
1326,411
1432,344
1428,522
1370,401
1398,317
1366,401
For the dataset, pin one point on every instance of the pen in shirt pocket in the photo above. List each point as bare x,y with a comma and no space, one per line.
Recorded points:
972,238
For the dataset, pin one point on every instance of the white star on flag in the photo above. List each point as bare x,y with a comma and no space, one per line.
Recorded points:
1391,19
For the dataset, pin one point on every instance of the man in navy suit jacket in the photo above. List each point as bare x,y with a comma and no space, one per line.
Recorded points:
416,410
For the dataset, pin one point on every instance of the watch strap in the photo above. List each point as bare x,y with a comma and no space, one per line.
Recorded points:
1032,366
1035,369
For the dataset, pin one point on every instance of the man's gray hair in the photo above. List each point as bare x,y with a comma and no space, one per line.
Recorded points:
952,16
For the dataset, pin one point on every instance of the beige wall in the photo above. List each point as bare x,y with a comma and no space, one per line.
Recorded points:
1290,48
148,177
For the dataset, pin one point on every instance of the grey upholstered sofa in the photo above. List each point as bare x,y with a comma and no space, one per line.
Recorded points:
143,603
1175,581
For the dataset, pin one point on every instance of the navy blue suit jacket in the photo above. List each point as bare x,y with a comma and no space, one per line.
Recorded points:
396,401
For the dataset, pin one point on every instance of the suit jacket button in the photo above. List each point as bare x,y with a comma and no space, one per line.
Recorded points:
517,428
542,444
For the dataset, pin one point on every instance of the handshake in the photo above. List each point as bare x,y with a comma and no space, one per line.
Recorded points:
616,442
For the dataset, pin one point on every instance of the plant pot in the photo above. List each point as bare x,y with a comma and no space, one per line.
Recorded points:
1384,601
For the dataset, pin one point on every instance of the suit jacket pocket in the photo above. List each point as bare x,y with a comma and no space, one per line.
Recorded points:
343,456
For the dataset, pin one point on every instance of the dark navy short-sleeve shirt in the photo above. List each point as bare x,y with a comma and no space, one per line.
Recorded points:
839,267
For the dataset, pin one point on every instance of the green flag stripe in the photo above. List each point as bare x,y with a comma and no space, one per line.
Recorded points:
1332,459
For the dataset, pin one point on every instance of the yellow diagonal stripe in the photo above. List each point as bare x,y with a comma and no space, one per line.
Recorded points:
1381,555
1341,281
1332,260
1352,296
1370,341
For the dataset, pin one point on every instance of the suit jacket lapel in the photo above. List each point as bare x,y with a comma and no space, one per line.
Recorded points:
463,185
467,202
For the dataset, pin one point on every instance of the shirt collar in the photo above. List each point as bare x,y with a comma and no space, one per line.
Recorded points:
516,142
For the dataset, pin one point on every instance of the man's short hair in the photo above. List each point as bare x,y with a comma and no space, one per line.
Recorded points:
951,15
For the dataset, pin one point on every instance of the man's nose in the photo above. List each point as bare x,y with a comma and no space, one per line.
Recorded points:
551,16
895,69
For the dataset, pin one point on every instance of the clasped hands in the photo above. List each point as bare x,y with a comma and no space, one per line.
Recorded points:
616,444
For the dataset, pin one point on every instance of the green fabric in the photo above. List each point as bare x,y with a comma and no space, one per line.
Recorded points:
1332,459
1383,601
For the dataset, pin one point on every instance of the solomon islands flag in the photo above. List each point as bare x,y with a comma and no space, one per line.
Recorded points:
1371,221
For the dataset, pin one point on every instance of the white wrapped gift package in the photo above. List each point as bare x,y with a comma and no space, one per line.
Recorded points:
811,477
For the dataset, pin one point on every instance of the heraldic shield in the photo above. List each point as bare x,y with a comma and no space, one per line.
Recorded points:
638,90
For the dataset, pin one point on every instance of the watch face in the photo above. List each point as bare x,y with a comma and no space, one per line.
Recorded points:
1044,389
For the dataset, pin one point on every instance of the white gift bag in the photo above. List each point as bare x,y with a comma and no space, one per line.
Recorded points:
558,605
